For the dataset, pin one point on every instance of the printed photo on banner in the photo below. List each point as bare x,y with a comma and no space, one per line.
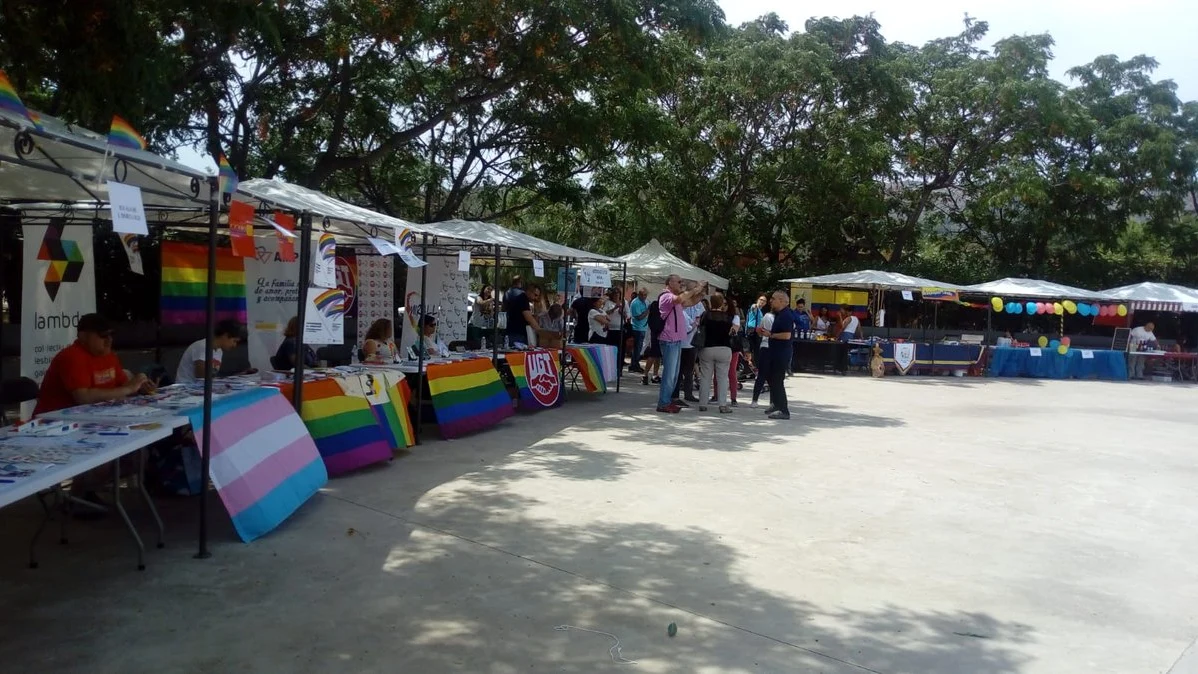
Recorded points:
133,251
324,317
324,262
58,286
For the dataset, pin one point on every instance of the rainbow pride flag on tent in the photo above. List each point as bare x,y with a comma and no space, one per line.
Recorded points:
122,134
264,464
185,284
10,101
467,396
343,425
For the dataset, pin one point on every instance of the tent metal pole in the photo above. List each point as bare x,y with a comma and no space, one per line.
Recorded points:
421,375
495,296
623,324
210,328
305,279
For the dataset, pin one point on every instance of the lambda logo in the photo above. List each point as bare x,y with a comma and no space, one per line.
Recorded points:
66,260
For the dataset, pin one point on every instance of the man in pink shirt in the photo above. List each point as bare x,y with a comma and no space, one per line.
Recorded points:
672,302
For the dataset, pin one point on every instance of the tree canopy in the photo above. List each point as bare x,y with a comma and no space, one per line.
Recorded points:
757,151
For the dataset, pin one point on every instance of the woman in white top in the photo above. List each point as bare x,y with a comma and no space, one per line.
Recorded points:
191,366
849,324
821,322
379,347
598,321
614,308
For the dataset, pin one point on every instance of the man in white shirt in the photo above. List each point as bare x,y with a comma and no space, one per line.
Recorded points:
1141,338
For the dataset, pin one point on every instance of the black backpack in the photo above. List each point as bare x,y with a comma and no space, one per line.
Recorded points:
656,322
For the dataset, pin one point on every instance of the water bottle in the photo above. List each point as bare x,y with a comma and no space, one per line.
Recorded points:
353,355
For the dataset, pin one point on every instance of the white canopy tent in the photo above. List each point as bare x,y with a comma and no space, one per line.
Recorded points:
871,279
336,216
519,243
652,263
1027,288
1150,296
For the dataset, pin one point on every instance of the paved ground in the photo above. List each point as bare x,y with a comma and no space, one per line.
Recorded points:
905,525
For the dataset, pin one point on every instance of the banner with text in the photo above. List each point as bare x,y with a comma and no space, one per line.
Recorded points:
58,286
324,317
447,296
272,298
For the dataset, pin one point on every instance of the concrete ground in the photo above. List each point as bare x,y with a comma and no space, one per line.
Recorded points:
924,526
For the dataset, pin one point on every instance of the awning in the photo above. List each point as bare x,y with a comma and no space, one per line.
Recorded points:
1028,288
332,214
521,244
872,279
652,263
1151,296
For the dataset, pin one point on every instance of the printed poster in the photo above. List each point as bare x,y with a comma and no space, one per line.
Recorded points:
324,317
375,296
447,296
271,298
324,262
58,286
133,251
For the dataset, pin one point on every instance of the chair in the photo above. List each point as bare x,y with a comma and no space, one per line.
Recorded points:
13,392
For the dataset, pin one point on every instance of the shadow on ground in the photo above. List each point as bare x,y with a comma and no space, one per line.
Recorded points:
367,579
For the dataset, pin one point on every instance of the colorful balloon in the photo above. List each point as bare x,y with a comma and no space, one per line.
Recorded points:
1031,308
1070,306
1057,309
1065,341
1054,344
1083,309
1122,310
1062,349
996,304
1042,342
1039,308
1016,308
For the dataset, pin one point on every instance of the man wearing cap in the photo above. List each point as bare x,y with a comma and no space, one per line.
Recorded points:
87,371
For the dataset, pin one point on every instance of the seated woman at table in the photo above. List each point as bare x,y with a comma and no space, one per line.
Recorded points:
428,342
191,366
87,371
285,357
379,347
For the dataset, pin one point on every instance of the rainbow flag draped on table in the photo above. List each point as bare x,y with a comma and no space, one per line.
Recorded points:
467,396
185,284
342,423
537,378
596,364
391,409
264,464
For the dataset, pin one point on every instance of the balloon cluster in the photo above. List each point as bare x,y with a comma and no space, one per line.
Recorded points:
1057,308
1061,345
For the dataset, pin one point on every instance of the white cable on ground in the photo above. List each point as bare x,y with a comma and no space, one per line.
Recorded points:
614,651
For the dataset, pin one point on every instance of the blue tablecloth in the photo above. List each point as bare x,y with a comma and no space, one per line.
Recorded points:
1019,362
939,356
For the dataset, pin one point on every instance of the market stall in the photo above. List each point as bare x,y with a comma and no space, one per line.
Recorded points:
653,264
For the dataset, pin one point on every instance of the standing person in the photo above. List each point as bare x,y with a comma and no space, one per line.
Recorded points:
821,322
599,322
653,353
616,310
579,308
802,326
762,357
672,304
781,348
482,319
639,312
849,324
716,354
520,313
1140,337
752,322
685,391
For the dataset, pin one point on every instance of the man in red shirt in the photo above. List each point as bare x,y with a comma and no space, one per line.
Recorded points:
87,371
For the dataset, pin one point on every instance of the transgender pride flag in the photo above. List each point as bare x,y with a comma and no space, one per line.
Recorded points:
264,463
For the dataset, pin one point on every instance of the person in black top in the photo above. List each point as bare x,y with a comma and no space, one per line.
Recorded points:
781,349
580,309
520,314
715,356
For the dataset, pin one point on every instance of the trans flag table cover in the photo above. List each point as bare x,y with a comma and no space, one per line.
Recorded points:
264,464
596,364
356,419
929,356
1049,364
467,396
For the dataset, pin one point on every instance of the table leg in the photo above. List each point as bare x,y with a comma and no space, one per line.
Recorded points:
116,503
41,499
145,495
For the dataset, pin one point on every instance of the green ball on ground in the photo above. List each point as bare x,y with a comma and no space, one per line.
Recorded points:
672,629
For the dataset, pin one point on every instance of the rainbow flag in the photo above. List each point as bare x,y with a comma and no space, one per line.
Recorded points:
227,176
331,302
11,102
264,464
326,248
587,358
122,134
540,366
343,425
467,396
390,407
185,284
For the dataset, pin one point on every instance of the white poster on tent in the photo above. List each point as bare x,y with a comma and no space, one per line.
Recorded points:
596,276
324,317
375,294
271,299
447,296
58,286
324,262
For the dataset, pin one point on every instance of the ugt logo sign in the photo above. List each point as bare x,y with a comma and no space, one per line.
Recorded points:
540,369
